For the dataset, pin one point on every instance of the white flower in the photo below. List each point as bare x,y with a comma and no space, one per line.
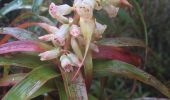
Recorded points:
61,35
85,8
58,37
76,62
99,30
75,30
48,28
111,10
48,37
66,63
51,54
111,6
58,12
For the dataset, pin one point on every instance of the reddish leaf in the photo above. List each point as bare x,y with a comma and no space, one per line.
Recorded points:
19,33
5,39
17,46
115,53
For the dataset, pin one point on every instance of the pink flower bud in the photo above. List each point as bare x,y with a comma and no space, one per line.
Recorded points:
51,54
75,30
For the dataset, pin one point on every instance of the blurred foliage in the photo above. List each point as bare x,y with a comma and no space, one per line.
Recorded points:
129,23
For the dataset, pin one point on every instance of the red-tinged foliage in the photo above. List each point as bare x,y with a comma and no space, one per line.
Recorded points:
5,39
25,25
116,53
17,46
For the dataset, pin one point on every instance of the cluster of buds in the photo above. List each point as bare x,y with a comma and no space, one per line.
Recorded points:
76,32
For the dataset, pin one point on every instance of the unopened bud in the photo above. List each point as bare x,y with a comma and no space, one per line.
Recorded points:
51,54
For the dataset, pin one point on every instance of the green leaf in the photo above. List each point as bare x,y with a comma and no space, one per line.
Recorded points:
106,68
28,61
36,5
15,4
46,88
15,78
61,89
121,42
32,83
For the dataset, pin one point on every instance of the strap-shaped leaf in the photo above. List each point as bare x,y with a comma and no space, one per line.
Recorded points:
15,4
33,81
46,88
36,5
122,42
16,46
105,68
28,61
15,78
18,33
116,53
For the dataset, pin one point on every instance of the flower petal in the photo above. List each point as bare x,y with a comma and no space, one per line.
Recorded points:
99,30
66,63
94,47
61,35
47,37
57,12
48,28
85,8
51,54
75,30
111,10
61,9
76,62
